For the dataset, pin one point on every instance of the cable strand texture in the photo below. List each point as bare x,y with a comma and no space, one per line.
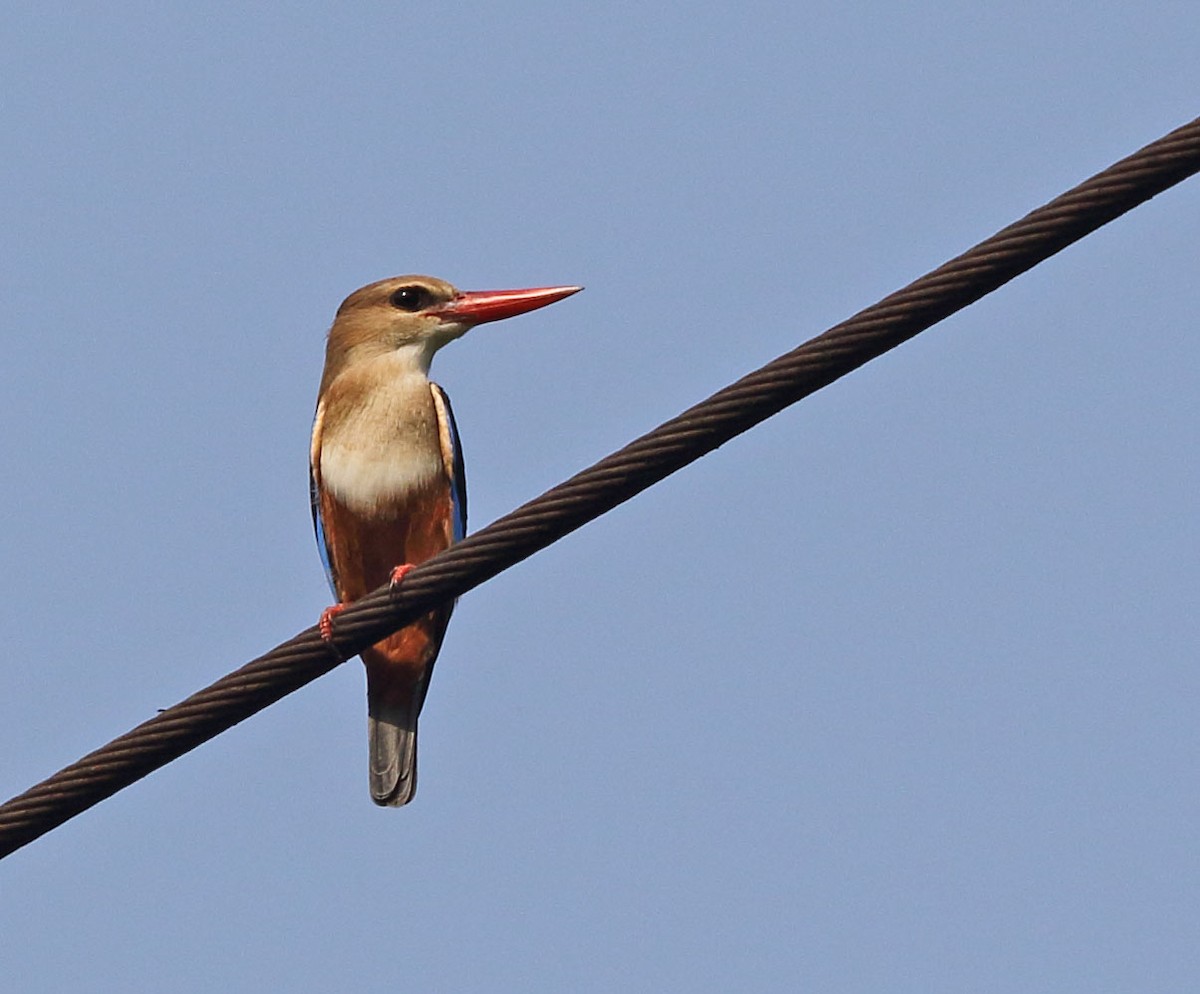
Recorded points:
611,481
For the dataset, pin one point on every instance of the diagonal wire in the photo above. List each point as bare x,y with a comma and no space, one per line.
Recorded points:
612,480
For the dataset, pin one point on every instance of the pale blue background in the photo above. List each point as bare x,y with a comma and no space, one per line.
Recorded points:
896,693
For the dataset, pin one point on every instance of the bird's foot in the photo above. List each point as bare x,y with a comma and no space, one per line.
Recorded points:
325,625
399,573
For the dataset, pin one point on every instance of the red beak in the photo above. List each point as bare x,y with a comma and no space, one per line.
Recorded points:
478,306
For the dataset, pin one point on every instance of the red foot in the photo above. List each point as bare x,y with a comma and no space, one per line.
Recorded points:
400,572
325,625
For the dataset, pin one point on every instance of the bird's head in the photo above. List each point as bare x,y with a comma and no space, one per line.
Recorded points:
417,315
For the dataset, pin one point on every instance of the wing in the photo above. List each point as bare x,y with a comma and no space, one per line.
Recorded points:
314,496
452,459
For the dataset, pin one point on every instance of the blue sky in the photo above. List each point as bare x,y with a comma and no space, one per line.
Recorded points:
897,692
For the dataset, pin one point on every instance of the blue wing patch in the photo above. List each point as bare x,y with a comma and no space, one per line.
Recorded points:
458,470
314,498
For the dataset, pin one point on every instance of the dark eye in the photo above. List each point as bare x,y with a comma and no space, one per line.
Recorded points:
410,298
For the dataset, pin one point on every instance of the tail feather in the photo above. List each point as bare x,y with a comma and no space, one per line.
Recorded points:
393,750
398,670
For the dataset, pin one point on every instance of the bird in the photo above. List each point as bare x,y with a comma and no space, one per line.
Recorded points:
387,482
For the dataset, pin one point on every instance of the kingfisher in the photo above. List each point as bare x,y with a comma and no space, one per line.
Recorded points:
387,482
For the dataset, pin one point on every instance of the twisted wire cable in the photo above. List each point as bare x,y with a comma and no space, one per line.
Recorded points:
611,481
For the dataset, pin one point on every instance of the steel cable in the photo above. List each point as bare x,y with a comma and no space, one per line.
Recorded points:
613,480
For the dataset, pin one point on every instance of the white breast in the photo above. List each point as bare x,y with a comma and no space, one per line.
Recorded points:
382,446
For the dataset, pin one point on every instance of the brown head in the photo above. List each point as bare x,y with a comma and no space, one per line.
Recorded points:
418,315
